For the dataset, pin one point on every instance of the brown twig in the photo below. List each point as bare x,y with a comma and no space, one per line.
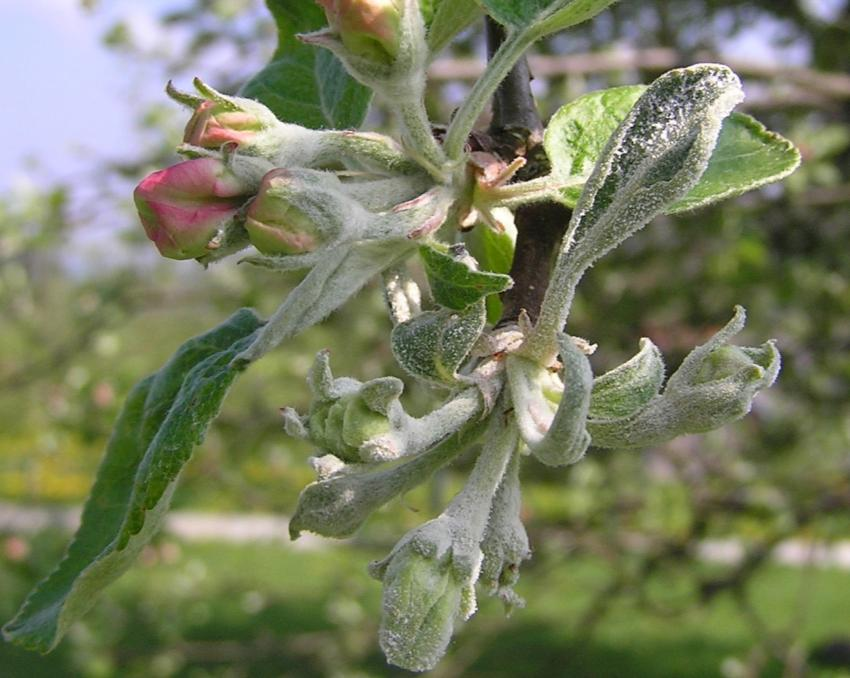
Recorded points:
517,129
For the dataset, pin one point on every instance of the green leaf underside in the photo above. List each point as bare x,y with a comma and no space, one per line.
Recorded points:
165,416
629,387
455,285
433,345
448,18
746,157
303,85
546,16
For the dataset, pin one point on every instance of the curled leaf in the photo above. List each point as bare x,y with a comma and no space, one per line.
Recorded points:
551,412
628,388
433,345
715,385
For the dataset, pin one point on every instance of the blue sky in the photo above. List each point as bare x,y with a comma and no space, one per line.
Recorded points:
68,99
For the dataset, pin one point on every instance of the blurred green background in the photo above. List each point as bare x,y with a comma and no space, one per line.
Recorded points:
653,563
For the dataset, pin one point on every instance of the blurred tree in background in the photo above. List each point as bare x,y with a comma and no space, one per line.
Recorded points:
618,583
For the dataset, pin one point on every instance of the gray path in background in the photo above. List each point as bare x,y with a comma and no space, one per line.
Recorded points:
236,528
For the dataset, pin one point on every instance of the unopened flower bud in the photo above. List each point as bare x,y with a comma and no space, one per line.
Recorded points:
343,425
382,44
425,594
368,28
184,207
298,211
220,119
210,126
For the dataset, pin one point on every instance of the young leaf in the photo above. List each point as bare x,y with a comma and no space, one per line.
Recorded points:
165,416
656,155
304,85
449,18
454,283
544,16
432,346
495,253
628,388
715,384
339,274
746,157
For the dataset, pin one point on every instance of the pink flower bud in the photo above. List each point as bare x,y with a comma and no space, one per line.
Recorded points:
275,224
183,207
368,28
214,124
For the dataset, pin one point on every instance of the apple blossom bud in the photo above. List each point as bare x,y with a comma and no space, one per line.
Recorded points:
298,211
213,125
368,28
183,207
220,119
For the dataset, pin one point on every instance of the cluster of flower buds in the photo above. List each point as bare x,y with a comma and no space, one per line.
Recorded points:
351,205
552,412
285,189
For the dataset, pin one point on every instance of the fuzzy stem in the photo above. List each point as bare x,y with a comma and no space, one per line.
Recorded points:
510,51
420,138
533,190
471,507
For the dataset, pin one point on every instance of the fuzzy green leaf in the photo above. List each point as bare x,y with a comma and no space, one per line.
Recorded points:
433,345
656,156
165,416
545,16
495,253
302,85
627,388
746,157
454,283
715,384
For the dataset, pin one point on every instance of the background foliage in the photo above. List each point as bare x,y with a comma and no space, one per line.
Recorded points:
616,583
